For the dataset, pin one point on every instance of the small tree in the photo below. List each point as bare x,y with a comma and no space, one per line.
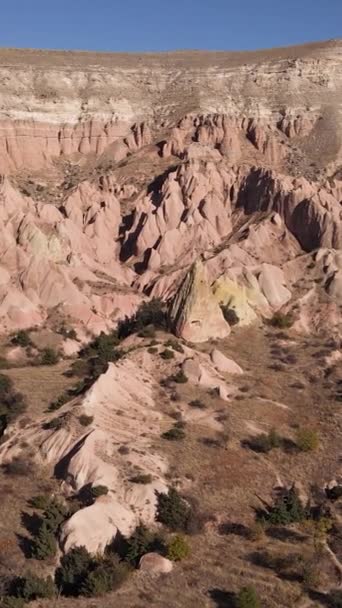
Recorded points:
248,598
44,544
31,587
73,570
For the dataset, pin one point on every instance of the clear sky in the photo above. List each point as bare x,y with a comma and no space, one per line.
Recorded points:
148,25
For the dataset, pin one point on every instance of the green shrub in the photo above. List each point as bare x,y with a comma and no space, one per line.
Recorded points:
172,510
142,478
178,548
18,467
40,502
73,570
175,345
149,313
12,602
49,357
281,320
180,377
108,574
167,354
141,542
287,509
44,544
147,332
59,402
230,315
85,420
97,491
307,440
12,404
176,433
265,443
197,403
22,338
152,350
31,587
248,598
55,424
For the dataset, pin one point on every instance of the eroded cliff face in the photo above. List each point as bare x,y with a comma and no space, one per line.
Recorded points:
120,171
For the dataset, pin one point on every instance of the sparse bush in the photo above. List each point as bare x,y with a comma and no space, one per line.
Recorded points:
257,531
174,345
230,315
248,598
152,350
197,403
176,433
22,338
167,354
18,467
12,602
141,478
178,548
282,320
307,440
265,443
59,402
55,424
85,420
49,357
180,377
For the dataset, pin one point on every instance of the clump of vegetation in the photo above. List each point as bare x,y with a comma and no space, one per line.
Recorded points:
173,511
32,587
147,332
44,544
141,542
287,509
172,343
230,315
143,478
99,490
85,420
180,377
282,320
49,357
67,333
176,433
178,548
59,402
167,354
12,403
55,424
152,350
265,442
248,598
307,440
149,313
197,403
22,338
83,574
18,467
335,599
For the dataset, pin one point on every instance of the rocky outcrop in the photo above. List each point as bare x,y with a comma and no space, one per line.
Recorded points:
194,313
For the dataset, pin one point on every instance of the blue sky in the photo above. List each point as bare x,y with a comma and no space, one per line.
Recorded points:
147,25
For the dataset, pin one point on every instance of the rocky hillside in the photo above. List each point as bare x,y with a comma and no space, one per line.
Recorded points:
170,319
